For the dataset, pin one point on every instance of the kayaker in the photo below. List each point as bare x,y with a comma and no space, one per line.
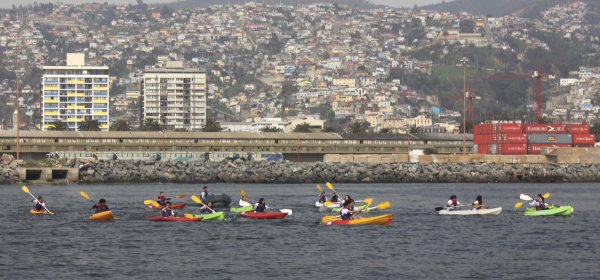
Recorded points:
162,199
347,212
204,194
539,202
453,202
478,203
322,198
244,201
39,204
261,205
206,209
335,197
100,206
167,211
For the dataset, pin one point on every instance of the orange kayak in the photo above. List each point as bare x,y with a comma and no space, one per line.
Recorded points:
102,216
377,220
36,212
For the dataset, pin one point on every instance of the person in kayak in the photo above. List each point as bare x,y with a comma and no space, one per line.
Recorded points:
347,212
39,204
204,194
100,206
167,211
453,202
162,199
322,198
478,203
539,202
261,206
335,197
206,209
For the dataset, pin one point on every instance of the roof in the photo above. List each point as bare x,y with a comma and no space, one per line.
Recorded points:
169,135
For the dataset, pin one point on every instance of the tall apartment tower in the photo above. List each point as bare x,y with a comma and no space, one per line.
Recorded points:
175,96
75,93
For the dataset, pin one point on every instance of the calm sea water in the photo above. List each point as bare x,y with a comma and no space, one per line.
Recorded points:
418,244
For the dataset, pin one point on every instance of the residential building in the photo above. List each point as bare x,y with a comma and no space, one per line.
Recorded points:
75,93
175,96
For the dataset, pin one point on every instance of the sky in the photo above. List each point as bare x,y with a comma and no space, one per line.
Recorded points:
394,3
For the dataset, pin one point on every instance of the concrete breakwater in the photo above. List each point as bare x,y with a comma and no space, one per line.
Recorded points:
198,171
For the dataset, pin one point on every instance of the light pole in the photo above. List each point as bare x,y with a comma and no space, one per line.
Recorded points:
464,62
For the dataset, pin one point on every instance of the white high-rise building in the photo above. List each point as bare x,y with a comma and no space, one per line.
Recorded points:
175,96
75,93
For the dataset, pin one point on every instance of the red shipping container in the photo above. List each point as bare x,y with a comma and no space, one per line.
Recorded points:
484,128
515,138
482,139
584,139
482,149
535,149
513,149
508,128
579,128
535,128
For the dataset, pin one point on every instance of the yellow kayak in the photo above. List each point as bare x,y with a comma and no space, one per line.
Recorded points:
36,212
376,220
102,216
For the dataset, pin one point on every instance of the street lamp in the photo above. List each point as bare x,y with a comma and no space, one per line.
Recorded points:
464,62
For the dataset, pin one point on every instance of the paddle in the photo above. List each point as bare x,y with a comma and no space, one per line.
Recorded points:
26,189
442,208
368,200
319,188
153,203
199,201
527,198
381,206
288,211
181,196
329,186
243,203
85,195
518,204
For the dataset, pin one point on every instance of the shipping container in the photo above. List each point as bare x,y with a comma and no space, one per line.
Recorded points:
508,128
482,149
514,138
484,128
513,149
549,138
535,149
584,139
542,128
579,128
482,139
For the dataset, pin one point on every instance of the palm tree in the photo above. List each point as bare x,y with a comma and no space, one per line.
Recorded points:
120,125
89,125
58,125
303,127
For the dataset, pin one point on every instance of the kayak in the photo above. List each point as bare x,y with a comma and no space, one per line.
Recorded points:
218,200
264,215
173,206
319,204
172,219
215,216
490,211
565,210
376,220
36,212
241,209
364,207
102,216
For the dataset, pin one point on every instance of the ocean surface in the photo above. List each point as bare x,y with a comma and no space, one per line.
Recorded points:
419,244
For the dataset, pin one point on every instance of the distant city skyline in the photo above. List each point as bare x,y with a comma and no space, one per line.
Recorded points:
394,3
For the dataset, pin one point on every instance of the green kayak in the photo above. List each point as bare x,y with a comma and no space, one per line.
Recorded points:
565,210
215,216
241,209
364,207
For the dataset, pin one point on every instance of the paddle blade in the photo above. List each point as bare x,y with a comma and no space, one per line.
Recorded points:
197,199
84,195
327,219
189,216
329,186
546,195
383,205
518,205
152,202
243,192
525,197
25,189
438,209
181,196
368,201
244,203
319,188
288,211
328,203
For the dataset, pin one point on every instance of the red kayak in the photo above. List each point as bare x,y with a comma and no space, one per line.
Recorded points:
173,206
264,215
172,219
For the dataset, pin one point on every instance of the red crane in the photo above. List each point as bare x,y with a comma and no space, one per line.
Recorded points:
470,98
538,75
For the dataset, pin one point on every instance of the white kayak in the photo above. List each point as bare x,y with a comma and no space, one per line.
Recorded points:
490,211
319,204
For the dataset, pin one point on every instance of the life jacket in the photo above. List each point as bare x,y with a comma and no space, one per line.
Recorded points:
167,213
347,215
39,207
260,207
162,200
205,211
322,199
100,208
204,194
335,198
540,205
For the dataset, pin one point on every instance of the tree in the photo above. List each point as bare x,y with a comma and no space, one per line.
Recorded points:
270,129
211,126
120,125
358,127
303,127
89,125
543,119
150,125
414,129
58,125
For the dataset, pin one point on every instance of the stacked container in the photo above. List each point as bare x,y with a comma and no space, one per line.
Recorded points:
500,138
581,135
